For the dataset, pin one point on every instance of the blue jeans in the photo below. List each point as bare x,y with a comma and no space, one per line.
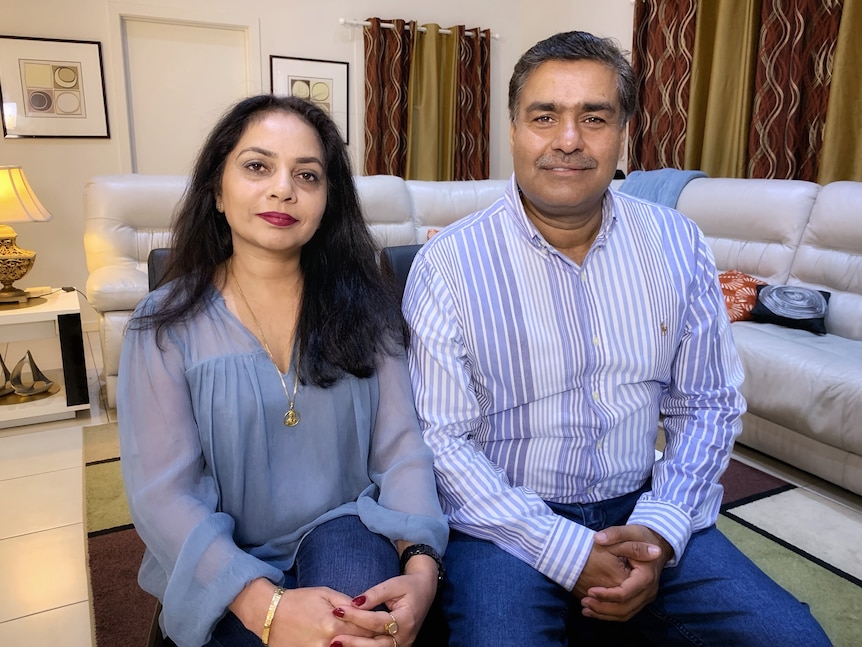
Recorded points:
714,596
341,554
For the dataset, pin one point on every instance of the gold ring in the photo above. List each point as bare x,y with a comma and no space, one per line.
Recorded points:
391,628
394,642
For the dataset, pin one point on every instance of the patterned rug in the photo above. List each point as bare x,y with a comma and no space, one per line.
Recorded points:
122,612
805,542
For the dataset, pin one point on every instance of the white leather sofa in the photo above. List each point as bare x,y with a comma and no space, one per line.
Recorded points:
804,391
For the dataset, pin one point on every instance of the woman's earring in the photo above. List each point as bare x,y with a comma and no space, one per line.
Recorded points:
219,206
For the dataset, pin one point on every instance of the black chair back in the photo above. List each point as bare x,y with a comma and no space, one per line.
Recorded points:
395,263
157,264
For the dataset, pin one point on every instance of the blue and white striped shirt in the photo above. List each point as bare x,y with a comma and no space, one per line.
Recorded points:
540,380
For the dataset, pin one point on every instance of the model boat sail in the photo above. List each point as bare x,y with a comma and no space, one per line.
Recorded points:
40,382
6,389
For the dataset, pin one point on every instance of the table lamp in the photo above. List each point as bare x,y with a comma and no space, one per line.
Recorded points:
18,203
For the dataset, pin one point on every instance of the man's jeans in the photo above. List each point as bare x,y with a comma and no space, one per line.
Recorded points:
341,554
714,596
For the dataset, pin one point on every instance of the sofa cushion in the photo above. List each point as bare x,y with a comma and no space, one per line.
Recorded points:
752,225
437,204
740,293
809,383
792,306
830,256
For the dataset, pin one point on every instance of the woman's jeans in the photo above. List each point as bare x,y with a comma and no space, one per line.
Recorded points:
341,554
714,596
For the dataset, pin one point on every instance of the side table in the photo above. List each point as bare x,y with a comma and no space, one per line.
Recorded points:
57,314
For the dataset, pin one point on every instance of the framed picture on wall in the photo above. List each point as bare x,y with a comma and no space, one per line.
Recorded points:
52,88
324,83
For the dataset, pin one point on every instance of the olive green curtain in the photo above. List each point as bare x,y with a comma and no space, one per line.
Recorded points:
842,139
431,106
722,79
426,101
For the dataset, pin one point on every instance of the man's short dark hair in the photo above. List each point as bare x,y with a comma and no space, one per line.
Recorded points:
576,46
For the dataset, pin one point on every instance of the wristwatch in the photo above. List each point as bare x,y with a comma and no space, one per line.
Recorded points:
423,549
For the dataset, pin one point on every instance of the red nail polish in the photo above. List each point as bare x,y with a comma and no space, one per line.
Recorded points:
359,600
338,612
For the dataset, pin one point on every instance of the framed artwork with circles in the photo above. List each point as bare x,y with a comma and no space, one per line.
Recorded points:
324,83
52,88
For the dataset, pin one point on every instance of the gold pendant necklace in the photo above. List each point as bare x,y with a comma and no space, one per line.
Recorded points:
291,416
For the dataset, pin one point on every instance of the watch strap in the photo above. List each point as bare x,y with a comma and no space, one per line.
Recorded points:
423,549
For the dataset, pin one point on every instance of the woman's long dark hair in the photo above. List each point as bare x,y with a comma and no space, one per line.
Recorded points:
349,313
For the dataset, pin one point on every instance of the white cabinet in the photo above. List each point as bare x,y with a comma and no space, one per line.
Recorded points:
56,315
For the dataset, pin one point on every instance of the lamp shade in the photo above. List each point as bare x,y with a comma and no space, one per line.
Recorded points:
18,203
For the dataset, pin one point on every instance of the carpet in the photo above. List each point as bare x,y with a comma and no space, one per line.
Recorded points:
121,611
804,541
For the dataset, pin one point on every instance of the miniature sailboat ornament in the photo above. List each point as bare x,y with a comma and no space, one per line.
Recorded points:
40,383
6,387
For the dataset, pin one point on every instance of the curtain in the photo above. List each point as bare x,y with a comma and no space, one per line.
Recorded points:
794,78
426,101
842,139
472,115
388,53
661,58
431,106
722,78
771,88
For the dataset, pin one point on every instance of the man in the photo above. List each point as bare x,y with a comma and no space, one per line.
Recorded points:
550,331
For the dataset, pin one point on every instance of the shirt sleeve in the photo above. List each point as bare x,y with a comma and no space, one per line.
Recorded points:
702,407
401,465
475,493
194,566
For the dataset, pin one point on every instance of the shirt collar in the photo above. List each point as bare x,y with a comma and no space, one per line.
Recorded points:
522,220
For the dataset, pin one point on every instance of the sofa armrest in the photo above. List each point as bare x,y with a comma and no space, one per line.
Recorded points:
116,287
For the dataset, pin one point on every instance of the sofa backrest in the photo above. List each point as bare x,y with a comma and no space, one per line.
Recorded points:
830,256
754,226
437,204
127,216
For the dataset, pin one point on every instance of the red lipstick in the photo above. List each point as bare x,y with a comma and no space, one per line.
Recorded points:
278,219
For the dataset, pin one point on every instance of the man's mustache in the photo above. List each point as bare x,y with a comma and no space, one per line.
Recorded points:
576,161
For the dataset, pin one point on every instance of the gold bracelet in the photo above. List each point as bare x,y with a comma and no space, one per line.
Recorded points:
273,605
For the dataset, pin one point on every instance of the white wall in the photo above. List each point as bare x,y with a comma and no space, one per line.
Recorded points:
59,168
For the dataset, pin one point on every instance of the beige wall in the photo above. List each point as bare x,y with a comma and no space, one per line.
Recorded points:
59,168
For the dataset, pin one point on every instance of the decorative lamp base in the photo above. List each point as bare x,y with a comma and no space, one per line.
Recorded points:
14,265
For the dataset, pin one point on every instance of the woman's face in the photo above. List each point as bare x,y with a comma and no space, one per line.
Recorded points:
273,189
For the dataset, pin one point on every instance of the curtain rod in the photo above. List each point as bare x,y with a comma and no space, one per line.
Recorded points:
389,25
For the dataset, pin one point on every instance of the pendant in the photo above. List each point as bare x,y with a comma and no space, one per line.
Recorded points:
291,418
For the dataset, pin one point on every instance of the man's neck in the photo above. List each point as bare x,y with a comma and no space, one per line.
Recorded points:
572,236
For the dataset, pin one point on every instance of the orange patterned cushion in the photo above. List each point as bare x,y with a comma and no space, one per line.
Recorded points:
740,293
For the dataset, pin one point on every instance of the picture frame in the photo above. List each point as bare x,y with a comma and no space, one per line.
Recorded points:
52,87
324,83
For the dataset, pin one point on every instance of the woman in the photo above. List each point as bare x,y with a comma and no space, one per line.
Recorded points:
267,428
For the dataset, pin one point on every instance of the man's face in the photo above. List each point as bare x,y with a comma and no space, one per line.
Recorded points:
566,139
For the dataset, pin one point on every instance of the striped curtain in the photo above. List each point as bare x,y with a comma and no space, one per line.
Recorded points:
426,101
782,128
